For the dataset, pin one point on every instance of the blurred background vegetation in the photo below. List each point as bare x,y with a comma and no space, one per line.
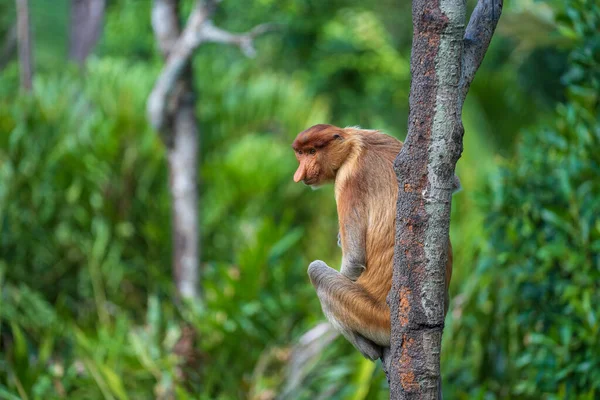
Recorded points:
86,301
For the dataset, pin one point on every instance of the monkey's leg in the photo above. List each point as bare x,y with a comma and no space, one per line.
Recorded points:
367,348
362,320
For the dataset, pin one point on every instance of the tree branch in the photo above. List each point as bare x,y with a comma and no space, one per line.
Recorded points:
244,41
478,35
165,24
199,29
178,50
304,355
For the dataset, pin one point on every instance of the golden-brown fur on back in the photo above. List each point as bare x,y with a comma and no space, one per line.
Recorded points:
377,173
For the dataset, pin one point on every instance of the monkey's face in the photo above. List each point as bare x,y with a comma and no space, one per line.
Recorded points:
310,169
319,153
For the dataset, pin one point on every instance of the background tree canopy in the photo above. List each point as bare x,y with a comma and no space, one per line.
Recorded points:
86,301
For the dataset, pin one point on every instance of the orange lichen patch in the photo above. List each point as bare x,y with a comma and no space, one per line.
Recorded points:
407,376
404,306
407,187
407,379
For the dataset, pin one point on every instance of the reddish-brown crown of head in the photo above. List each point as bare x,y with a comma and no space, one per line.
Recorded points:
316,136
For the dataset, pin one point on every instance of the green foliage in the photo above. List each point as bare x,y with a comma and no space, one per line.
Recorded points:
528,324
126,32
78,173
86,307
72,193
84,243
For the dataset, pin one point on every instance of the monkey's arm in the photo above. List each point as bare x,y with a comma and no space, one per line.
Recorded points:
353,232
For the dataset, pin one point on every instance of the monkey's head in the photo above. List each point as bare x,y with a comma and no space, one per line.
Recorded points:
320,150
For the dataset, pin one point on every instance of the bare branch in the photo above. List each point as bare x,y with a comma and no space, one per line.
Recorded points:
244,41
305,354
178,58
477,39
199,29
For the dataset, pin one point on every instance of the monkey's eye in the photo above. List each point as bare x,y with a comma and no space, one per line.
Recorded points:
299,152
312,151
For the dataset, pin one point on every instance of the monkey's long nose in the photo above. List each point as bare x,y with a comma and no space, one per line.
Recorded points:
299,175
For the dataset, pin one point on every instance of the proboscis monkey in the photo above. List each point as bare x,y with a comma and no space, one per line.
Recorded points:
360,163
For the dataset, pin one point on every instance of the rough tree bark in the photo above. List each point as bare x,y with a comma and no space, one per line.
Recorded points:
24,44
444,60
170,110
85,27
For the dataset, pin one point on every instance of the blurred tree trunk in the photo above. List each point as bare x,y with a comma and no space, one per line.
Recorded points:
24,44
86,25
444,60
171,107
180,133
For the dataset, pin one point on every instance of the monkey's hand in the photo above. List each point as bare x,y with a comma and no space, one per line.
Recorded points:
352,268
367,348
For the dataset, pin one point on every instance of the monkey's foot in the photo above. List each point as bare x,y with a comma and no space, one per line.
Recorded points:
367,348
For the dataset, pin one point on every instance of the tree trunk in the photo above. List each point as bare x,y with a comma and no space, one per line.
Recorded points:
183,166
24,43
443,63
86,25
